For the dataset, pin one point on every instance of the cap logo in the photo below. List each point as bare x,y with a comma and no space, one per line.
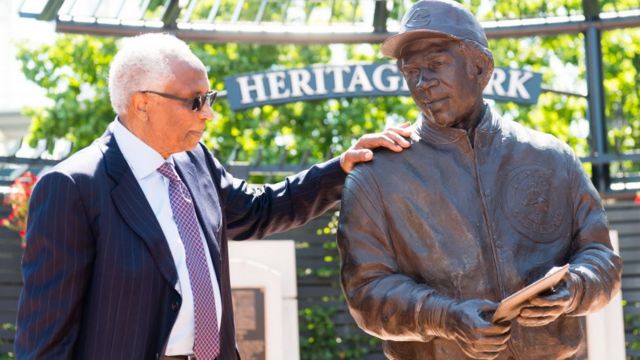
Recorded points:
419,18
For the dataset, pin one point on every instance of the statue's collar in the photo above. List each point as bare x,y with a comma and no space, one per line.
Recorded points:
489,123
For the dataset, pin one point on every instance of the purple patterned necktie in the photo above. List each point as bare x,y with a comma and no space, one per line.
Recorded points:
207,338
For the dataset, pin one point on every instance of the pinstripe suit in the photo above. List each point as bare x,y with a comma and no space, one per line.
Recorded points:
98,273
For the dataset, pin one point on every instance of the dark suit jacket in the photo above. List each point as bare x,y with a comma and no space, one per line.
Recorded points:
98,274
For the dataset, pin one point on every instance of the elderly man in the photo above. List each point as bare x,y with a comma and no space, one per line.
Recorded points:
433,238
127,239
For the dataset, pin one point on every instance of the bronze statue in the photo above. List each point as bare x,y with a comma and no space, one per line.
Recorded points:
433,238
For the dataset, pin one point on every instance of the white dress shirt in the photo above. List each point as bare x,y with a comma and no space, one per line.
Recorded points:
144,161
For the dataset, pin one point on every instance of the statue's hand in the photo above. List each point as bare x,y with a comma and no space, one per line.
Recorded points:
549,306
468,323
392,138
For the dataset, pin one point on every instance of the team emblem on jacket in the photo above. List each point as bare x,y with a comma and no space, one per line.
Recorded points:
532,206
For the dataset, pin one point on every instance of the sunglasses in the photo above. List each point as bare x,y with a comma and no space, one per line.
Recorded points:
196,103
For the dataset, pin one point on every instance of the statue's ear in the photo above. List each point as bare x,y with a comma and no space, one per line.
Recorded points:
476,66
480,67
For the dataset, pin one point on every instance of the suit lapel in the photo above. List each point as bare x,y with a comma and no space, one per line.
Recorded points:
135,210
206,202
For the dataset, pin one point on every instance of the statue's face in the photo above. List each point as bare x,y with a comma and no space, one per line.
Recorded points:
443,81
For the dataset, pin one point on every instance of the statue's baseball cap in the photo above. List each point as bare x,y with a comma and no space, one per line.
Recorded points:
435,19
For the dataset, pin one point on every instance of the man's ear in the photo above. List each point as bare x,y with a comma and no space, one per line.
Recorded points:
139,102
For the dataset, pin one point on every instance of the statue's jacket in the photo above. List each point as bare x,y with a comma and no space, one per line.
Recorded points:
448,219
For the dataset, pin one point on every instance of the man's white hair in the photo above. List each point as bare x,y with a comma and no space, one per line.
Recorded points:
144,63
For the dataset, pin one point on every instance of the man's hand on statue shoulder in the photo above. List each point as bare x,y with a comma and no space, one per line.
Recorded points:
469,324
392,138
549,306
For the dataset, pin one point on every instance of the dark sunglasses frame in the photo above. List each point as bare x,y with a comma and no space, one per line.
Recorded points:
196,103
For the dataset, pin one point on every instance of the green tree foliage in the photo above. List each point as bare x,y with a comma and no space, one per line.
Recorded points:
74,73
8,329
622,76
74,70
554,112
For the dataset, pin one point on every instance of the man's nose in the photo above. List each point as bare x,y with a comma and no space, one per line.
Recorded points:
206,113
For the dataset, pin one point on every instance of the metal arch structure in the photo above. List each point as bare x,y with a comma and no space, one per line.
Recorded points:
364,21
116,18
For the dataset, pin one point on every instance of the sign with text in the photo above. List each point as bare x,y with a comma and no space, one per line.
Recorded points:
378,79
